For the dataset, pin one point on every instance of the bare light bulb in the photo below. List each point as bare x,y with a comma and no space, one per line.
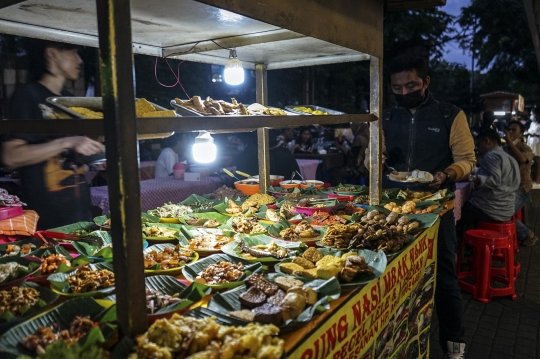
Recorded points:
204,149
234,72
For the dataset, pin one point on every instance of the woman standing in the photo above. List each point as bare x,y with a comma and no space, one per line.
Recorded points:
534,133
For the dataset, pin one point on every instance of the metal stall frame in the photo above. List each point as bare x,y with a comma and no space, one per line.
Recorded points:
297,33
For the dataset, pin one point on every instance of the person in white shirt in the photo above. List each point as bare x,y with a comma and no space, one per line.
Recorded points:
169,156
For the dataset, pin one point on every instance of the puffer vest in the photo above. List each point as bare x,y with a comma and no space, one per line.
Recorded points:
419,141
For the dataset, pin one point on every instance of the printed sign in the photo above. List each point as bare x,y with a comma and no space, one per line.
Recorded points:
388,318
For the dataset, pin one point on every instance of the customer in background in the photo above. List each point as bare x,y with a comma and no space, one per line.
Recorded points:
495,184
523,155
304,143
52,175
175,152
533,140
355,153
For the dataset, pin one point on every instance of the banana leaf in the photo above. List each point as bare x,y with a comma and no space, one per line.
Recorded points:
376,260
156,269
327,290
275,230
4,246
355,190
203,218
419,205
228,228
62,316
46,297
222,206
192,270
93,253
75,228
234,249
28,266
145,218
424,220
171,226
60,285
169,285
187,233
195,201
40,278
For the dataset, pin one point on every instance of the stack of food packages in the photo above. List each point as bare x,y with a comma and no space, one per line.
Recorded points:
217,242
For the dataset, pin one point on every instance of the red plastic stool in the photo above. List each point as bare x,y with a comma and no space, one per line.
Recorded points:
520,215
484,243
508,227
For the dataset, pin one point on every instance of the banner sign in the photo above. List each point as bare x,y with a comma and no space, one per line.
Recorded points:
389,317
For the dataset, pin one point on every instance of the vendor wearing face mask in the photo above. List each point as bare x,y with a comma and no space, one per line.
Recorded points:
425,134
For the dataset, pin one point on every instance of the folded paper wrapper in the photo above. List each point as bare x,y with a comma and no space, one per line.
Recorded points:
23,225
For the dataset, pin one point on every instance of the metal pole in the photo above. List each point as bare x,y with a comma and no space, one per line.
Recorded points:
375,105
120,127
261,92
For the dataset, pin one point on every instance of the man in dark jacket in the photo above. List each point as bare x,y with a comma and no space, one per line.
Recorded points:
425,134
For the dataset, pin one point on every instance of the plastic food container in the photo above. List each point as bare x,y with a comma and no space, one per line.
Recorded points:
247,189
312,183
274,180
310,210
290,184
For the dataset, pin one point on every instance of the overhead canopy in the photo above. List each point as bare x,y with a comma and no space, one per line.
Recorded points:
270,32
398,5
196,31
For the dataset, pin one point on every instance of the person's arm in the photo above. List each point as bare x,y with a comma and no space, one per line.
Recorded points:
521,157
462,147
490,174
18,153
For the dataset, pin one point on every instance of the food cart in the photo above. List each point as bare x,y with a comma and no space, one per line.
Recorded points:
268,34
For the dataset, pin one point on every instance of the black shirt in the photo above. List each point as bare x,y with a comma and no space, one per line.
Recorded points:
56,189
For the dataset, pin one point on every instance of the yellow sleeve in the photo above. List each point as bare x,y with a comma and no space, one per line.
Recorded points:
462,147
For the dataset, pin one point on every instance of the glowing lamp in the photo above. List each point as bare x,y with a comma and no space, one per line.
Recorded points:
234,72
204,149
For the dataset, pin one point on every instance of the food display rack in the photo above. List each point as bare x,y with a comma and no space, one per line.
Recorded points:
269,34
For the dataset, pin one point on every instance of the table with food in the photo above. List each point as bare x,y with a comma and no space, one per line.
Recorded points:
301,271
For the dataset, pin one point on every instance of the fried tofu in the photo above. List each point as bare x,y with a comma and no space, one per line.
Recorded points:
311,273
289,268
312,255
303,262
287,283
329,266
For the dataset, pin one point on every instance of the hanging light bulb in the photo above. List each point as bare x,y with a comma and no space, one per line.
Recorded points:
204,149
234,72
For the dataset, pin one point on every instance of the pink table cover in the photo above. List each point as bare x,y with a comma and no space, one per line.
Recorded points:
463,191
157,191
308,168
147,170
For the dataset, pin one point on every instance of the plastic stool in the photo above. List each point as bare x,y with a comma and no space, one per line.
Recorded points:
520,215
484,243
508,227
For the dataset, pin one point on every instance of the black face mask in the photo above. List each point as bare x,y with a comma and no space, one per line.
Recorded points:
410,100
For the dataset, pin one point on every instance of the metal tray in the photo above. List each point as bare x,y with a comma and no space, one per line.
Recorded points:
61,108
185,111
314,108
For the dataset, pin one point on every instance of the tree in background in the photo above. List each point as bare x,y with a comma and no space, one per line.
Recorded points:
498,34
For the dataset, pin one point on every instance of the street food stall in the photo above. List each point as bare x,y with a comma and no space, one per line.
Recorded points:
387,315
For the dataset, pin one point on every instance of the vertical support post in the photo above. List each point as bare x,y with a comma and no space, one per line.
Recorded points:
261,88
120,127
375,137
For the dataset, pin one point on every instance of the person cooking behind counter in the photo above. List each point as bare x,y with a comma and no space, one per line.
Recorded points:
52,184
